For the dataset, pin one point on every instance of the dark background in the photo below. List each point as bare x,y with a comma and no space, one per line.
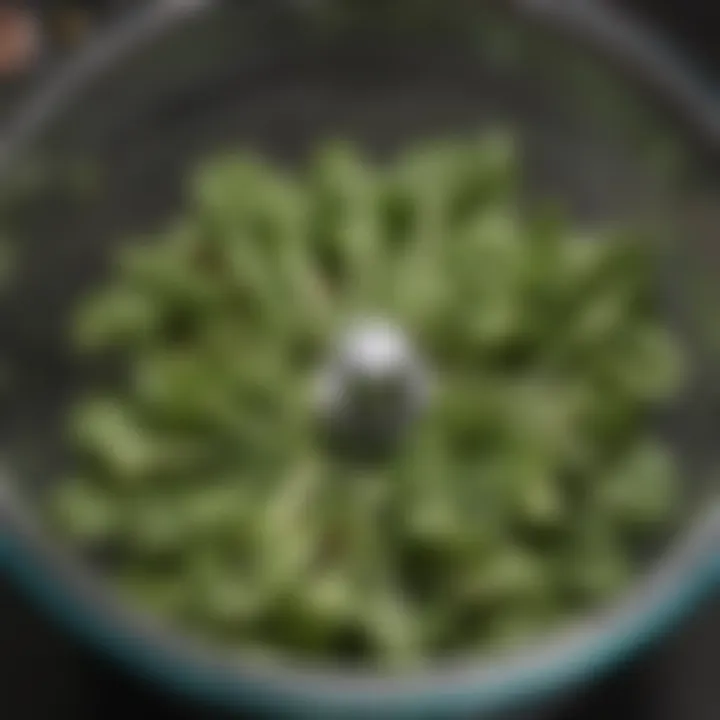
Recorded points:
45,675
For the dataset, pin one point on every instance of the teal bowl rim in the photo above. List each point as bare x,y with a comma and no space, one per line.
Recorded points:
26,563
43,576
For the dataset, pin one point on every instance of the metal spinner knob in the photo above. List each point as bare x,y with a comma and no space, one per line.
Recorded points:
372,389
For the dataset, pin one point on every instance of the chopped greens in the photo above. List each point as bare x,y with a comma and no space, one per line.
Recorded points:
513,503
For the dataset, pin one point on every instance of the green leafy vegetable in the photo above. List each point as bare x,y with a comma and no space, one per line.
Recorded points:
506,508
